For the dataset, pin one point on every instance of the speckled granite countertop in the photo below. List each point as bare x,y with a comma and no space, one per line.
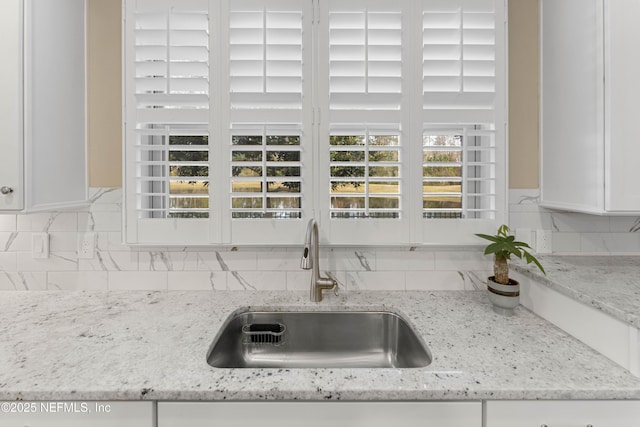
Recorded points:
152,346
607,283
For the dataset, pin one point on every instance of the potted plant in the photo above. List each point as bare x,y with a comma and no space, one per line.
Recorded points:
504,292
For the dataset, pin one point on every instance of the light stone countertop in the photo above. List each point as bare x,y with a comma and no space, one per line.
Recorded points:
608,283
152,346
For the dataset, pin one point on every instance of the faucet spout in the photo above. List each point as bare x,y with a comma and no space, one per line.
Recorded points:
311,261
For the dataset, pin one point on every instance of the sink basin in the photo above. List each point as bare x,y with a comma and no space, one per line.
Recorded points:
311,339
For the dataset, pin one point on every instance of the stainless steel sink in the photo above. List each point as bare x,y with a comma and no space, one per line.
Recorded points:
296,339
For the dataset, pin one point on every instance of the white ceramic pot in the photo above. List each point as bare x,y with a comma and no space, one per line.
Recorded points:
504,297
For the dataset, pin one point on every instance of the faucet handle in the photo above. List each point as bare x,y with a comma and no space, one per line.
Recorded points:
333,284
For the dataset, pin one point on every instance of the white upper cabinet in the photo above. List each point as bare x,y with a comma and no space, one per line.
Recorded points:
42,104
589,106
11,183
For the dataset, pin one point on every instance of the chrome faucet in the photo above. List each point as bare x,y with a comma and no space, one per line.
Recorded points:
311,260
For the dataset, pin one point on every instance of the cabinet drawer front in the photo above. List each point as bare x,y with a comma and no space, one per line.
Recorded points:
320,414
563,414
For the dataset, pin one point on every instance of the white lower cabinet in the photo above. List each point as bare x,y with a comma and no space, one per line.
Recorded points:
563,413
76,414
320,414
611,337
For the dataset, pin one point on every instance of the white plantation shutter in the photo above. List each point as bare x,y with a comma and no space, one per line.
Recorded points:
270,120
245,118
364,120
171,81
463,115
167,132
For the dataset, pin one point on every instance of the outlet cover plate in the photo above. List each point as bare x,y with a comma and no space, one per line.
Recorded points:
86,245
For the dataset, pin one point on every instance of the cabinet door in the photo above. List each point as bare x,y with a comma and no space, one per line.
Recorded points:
622,68
55,136
563,413
320,414
76,414
11,105
42,104
572,93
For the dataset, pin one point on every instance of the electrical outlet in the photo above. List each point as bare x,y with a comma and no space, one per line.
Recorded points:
40,245
86,245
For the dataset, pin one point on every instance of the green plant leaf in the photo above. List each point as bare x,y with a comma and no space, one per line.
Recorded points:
491,238
510,247
503,230
522,245
531,259
493,248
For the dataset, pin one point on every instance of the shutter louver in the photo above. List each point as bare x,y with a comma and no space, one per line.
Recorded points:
459,60
172,60
365,60
265,59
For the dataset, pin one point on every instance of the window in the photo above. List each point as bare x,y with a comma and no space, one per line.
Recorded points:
384,120
365,174
266,173
459,169
173,171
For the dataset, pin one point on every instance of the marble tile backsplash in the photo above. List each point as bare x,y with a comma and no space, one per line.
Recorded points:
575,233
117,266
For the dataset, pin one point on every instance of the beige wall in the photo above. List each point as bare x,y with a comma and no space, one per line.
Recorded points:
104,92
523,94
105,135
